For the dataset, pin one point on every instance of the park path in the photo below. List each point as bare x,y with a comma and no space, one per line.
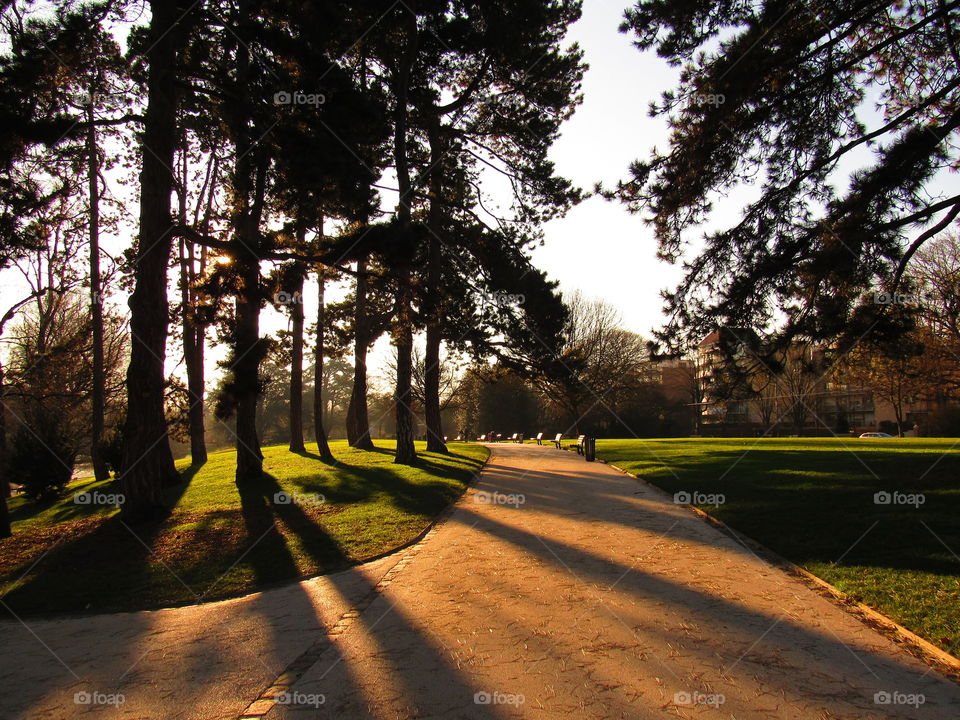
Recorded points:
556,588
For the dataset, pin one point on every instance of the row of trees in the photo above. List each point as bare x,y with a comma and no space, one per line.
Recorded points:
605,384
265,135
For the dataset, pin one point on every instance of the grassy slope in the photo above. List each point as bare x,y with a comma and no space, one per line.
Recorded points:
811,500
218,540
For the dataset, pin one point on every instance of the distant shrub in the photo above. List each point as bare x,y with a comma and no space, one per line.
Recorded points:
41,455
111,447
943,422
889,427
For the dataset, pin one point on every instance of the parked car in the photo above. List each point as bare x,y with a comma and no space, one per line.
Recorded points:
876,435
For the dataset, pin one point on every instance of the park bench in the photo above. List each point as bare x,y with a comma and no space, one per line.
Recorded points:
581,449
540,438
557,439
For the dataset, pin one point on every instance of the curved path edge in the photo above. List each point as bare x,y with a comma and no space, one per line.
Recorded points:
919,647
267,699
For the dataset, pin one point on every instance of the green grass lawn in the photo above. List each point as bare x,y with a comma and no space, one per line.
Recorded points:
219,540
812,501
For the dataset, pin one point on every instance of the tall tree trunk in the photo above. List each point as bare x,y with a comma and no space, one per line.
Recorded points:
193,329
403,341
246,372
323,448
431,361
431,391
406,453
147,460
248,350
358,418
296,369
97,403
5,530
249,347
193,338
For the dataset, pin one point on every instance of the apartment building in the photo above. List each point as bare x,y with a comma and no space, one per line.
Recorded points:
740,395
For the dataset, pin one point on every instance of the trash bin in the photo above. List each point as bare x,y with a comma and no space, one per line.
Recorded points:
590,449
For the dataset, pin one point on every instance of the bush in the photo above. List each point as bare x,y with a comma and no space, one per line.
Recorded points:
943,422
111,447
889,427
41,455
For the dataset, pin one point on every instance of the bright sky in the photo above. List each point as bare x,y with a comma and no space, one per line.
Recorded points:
599,247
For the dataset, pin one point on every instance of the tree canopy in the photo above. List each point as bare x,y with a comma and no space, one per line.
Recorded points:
779,97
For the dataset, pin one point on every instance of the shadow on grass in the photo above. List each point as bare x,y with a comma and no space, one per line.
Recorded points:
314,456
263,504
819,505
92,563
67,509
357,484
99,563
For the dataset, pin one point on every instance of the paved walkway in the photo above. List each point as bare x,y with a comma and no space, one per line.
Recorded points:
556,589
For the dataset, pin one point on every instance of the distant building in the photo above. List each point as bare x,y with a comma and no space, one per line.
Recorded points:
740,395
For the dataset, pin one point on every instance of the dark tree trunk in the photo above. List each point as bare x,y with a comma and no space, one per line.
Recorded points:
5,490
403,340
431,369
248,350
147,463
193,342
406,453
323,449
431,391
358,419
193,335
97,403
5,530
296,370
246,372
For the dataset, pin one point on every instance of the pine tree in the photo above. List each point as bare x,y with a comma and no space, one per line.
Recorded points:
773,94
